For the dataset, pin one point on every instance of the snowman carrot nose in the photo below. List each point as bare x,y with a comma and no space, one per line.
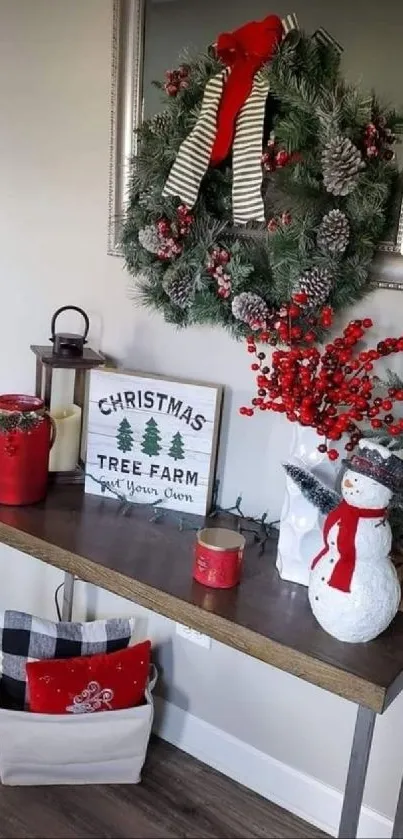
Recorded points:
347,483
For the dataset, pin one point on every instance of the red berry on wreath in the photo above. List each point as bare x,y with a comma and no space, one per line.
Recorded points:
387,405
376,423
296,332
367,323
394,430
332,454
286,218
302,298
371,130
388,419
294,311
282,158
272,225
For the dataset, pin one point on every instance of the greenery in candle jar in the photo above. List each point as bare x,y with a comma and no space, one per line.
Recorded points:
15,420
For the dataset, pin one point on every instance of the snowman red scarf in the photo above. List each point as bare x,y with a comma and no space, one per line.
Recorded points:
347,517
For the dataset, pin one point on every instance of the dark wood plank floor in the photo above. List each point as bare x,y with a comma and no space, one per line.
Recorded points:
178,797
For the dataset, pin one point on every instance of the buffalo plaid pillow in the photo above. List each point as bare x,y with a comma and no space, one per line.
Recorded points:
26,638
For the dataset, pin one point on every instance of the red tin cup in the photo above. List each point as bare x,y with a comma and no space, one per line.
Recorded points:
26,437
218,557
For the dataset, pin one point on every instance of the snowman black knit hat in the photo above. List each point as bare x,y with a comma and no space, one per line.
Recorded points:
378,463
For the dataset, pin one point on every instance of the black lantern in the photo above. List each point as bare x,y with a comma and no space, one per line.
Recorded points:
67,353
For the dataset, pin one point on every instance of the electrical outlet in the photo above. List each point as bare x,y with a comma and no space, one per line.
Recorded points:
193,635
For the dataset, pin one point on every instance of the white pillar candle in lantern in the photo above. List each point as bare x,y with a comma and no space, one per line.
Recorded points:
65,452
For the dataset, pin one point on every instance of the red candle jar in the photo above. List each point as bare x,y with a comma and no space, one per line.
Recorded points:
218,557
26,437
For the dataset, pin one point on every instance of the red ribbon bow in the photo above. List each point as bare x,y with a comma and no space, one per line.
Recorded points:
244,51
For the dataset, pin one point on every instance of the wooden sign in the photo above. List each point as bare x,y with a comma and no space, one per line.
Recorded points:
152,439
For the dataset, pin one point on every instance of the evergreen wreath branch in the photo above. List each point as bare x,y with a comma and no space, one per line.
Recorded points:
339,153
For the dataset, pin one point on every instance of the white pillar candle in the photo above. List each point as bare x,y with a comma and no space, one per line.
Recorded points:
65,452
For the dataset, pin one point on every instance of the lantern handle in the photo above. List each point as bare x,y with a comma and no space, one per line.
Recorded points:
74,309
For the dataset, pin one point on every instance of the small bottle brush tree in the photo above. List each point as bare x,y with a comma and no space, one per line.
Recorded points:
330,390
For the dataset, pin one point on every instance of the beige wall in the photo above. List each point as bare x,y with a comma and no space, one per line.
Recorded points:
54,111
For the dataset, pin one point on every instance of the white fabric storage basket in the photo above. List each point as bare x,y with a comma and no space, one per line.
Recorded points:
108,747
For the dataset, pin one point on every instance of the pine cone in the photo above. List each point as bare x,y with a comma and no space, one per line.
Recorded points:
334,232
341,165
250,309
149,239
317,284
179,288
160,123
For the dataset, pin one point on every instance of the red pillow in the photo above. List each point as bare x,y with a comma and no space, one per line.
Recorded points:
88,684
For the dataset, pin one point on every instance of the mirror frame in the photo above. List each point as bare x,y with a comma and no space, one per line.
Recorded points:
126,108
128,33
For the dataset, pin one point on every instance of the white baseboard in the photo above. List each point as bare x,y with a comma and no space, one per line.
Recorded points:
301,794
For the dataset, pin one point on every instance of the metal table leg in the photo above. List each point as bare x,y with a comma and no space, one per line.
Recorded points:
68,592
397,832
357,771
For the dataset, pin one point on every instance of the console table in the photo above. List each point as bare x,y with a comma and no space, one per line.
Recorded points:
122,549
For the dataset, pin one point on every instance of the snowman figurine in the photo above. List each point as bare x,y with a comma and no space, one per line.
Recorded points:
354,590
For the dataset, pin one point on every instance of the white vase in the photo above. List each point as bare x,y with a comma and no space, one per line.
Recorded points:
301,522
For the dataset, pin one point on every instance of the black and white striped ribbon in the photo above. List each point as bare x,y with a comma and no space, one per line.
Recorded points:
194,154
322,36
247,202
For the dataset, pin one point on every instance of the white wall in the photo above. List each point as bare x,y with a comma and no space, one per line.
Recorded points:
54,109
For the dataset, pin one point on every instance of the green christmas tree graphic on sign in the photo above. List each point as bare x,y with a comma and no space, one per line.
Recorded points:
177,450
150,443
124,436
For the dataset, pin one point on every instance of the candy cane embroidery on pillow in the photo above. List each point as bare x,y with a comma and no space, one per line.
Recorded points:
93,698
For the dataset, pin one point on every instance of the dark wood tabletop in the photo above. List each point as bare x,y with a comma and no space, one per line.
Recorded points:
120,549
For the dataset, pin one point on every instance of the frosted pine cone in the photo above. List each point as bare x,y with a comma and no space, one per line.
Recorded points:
317,285
341,165
251,309
334,232
150,239
179,288
160,123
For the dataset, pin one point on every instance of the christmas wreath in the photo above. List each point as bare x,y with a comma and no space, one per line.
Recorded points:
266,176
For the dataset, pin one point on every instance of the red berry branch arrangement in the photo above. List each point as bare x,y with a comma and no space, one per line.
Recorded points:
330,390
